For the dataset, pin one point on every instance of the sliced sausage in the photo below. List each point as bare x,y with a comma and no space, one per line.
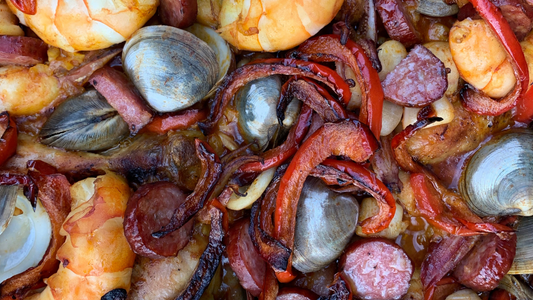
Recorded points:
294,293
244,258
122,95
22,50
397,22
418,80
377,269
178,13
150,208
483,267
443,257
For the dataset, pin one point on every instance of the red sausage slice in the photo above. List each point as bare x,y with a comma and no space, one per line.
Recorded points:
397,22
418,80
178,13
376,269
150,208
483,267
244,259
121,94
22,50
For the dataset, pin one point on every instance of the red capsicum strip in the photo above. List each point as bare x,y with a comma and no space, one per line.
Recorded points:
349,138
28,7
524,109
266,67
368,180
431,207
481,103
328,48
275,157
8,140
183,120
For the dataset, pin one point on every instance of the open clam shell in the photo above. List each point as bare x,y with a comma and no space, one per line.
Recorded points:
171,68
221,48
498,179
523,260
85,122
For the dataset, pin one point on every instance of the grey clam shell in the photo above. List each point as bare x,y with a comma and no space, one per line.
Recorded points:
523,260
498,179
85,122
171,68
325,223
256,103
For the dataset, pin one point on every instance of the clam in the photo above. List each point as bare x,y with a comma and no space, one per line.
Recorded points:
325,223
436,8
85,122
25,240
517,288
171,68
7,204
498,179
523,260
221,48
256,103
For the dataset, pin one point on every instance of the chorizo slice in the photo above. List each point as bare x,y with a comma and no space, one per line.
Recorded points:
483,267
244,258
150,208
418,80
123,96
397,22
178,13
22,50
376,269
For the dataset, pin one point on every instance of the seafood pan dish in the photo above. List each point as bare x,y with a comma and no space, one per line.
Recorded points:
270,150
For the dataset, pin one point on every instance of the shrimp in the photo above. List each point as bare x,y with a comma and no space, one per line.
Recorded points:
260,25
96,257
84,25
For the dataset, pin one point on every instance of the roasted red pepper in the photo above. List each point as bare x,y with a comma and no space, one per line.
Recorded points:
275,157
368,181
452,219
524,109
28,7
482,104
328,48
266,67
183,120
349,138
8,138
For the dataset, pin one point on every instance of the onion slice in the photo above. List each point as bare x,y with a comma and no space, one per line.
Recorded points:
253,193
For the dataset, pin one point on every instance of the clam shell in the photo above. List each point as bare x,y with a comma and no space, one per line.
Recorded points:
498,179
221,48
325,223
523,260
256,103
8,198
85,122
436,8
171,68
516,287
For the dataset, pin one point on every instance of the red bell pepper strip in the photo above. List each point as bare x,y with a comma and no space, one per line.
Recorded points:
266,67
8,139
368,180
275,157
341,112
327,48
28,7
524,109
481,103
431,207
349,138
428,293
183,120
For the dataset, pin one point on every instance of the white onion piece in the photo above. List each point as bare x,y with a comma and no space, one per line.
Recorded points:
392,115
443,108
253,193
463,295
26,239
390,55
